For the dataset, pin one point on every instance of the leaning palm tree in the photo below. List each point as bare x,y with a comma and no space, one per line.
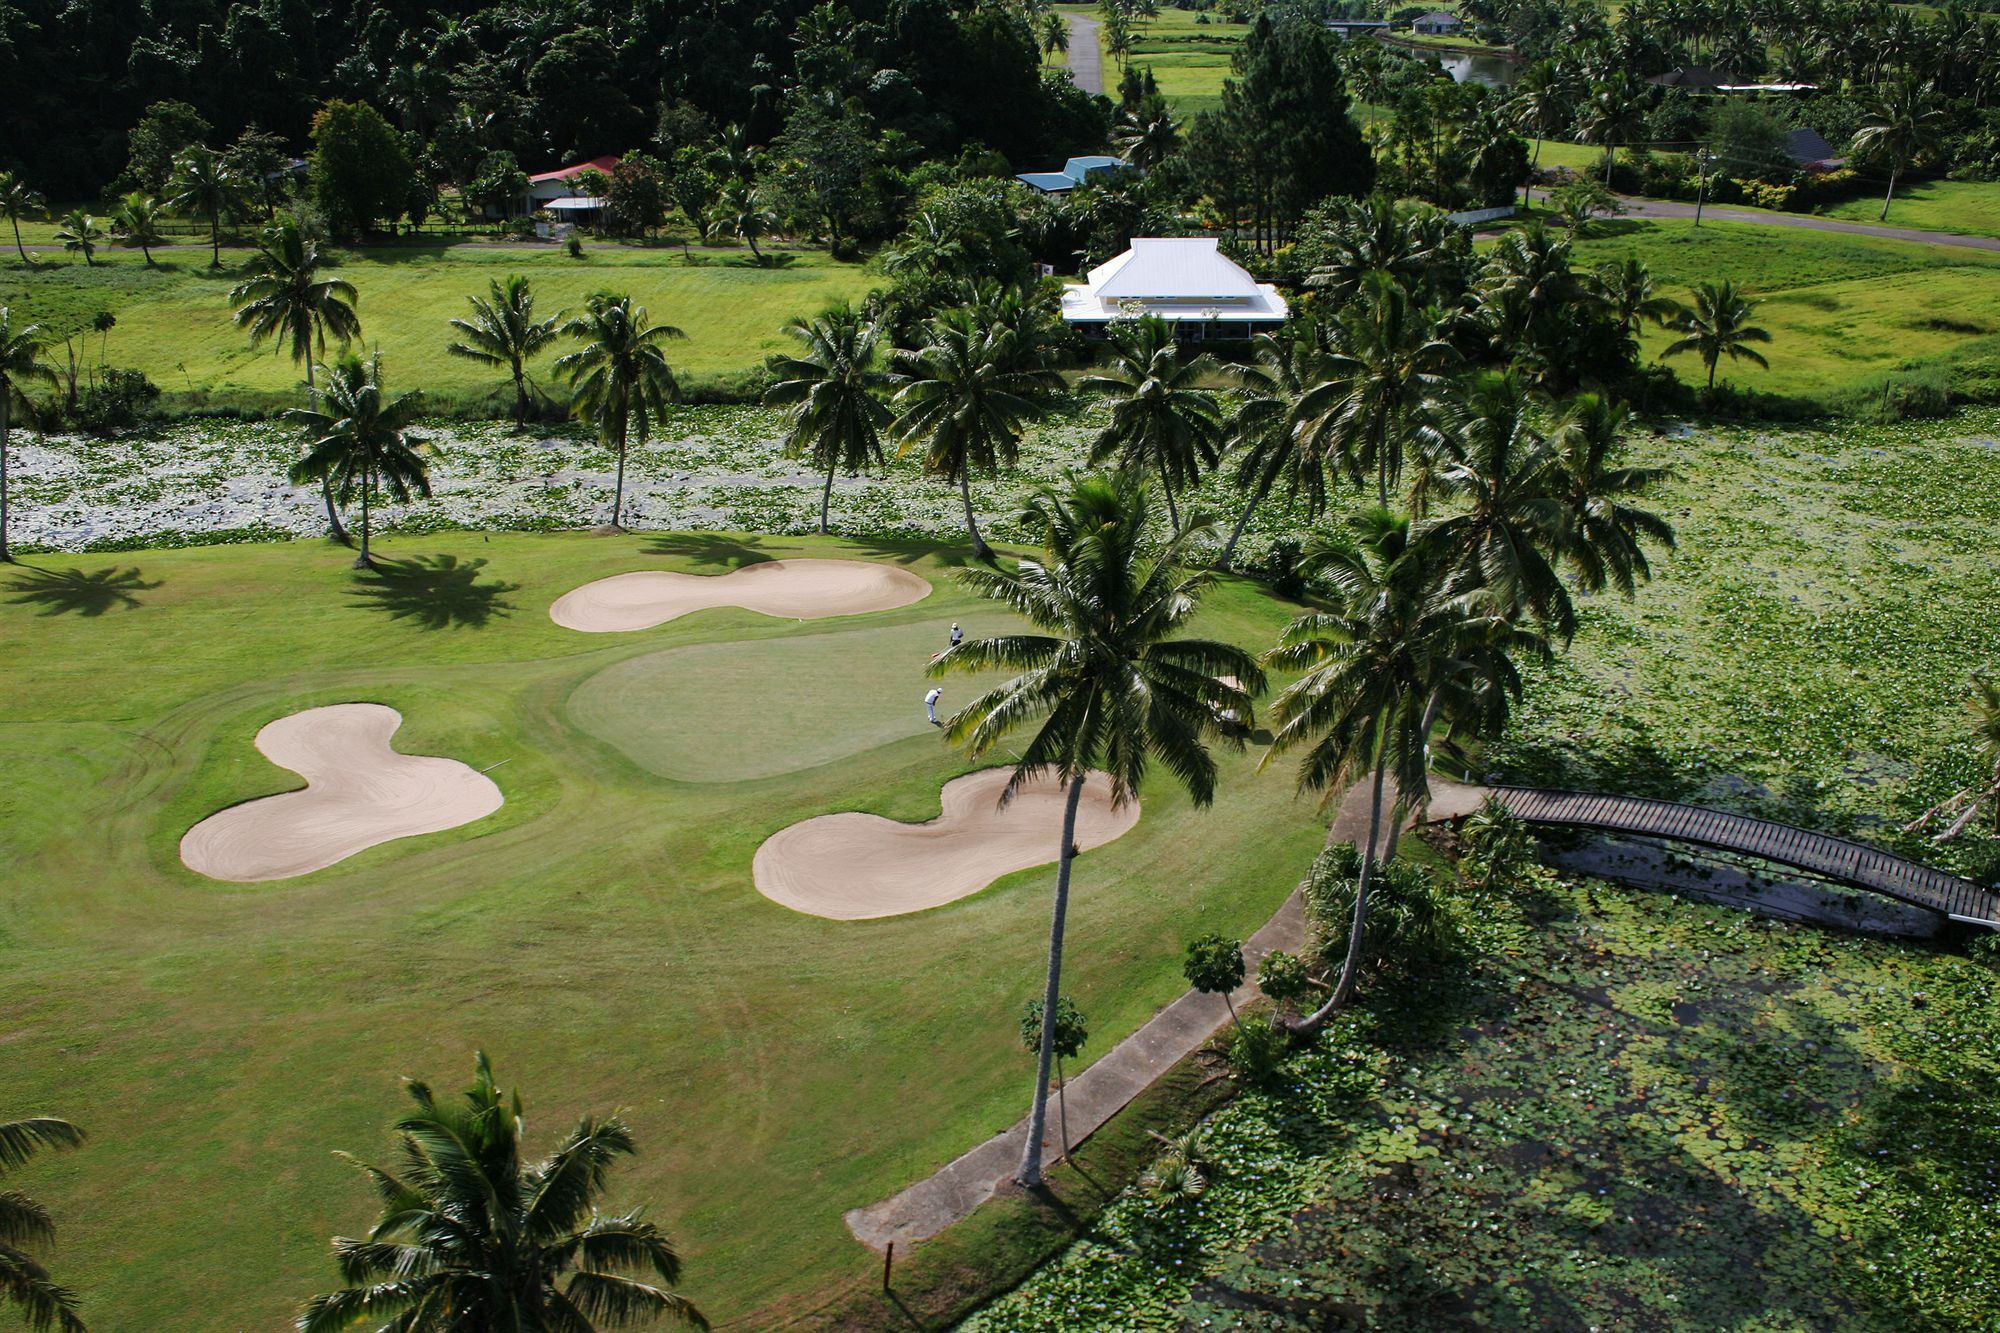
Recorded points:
833,387
620,378
1161,417
21,364
471,1237
356,439
1282,366
1104,684
285,301
739,213
136,221
25,1227
17,201
80,234
965,395
503,331
1718,324
208,187
1604,545
1906,123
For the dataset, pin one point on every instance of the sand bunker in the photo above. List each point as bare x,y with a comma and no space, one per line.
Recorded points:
853,867
800,589
358,793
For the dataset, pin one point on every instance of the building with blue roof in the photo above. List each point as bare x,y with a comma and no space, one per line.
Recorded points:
1074,173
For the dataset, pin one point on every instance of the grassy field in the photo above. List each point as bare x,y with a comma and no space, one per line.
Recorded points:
599,935
1971,208
1189,59
173,321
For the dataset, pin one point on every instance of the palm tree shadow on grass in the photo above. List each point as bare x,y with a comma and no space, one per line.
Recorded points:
716,549
79,592
435,591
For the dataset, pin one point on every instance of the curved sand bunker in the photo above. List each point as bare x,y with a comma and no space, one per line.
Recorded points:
854,867
358,793
798,589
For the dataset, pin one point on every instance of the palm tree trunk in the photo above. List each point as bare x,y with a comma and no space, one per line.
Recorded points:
215,239
26,262
520,396
1231,1004
1311,1023
1403,808
1712,363
1893,173
1173,510
362,561
1528,185
826,499
618,494
979,546
6,420
1038,1117
333,523
1236,533
751,237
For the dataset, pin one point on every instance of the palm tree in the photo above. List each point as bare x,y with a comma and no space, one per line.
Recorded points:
1055,36
208,187
1964,805
1613,115
136,221
1718,324
739,213
357,439
832,385
17,201
620,378
25,1226
1103,685
503,331
79,231
1541,106
1906,123
1160,416
1147,138
285,301
1604,542
20,364
965,395
1373,235
1281,367
472,1237
1627,289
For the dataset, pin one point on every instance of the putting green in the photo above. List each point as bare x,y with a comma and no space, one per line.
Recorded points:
728,712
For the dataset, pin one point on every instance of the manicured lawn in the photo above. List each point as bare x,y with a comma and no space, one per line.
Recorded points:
599,935
1188,59
173,321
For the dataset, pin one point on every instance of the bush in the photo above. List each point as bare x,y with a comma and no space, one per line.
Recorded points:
1283,978
1907,395
575,248
119,400
1410,923
1255,1052
1763,194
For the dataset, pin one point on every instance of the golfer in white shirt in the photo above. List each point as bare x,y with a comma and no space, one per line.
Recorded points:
931,702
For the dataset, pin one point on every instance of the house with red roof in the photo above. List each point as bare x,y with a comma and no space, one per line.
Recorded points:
557,192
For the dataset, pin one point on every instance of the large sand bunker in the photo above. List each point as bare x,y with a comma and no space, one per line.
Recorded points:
799,589
853,867
358,793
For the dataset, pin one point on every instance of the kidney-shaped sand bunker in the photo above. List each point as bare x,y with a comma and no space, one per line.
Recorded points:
358,793
853,866
799,589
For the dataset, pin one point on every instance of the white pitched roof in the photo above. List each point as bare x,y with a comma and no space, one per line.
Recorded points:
1162,268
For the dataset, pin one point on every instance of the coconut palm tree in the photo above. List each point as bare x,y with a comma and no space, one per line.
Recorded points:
965,396
1055,36
620,378
741,214
21,364
1373,235
17,201
285,301
80,232
1282,366
1626,287
833,387
207,187
473,1237
1604,545
1146,138
1540,105
1614,114
136,221
1104,684
503,331
25,1227
1905,124
1717,325
356,439
1161,418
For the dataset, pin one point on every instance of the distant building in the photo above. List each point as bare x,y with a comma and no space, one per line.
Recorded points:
1074,173
1809,149
1348,29
1188,282
1437,23
1698,78
556,191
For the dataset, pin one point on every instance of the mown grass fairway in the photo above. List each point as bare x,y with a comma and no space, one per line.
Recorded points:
174,320
599,935
1189,59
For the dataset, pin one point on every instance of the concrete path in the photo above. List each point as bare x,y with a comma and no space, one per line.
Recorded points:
1086,62
1664,208
1095,1095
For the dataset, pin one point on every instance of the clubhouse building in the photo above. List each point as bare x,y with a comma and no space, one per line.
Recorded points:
1186,281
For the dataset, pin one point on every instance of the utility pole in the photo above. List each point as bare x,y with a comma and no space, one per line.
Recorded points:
1703,160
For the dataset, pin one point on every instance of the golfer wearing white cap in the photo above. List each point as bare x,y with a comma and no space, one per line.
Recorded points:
931,702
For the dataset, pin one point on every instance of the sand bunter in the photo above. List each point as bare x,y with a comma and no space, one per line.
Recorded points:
798,589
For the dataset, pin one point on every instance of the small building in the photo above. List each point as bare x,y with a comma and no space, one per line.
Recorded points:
548,189
1695,78
1810,150
1074,173
1437,23
1186,281
1348,29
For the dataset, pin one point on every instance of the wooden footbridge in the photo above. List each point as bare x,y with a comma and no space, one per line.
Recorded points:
1839,860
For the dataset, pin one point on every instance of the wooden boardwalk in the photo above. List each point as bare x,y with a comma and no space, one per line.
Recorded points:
1841,860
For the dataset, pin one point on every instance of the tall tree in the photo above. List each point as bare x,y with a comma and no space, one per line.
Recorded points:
208,187
287,302
471,1237
17,201
740,213
80,234
1606,531
1267,447
1540,105
361,170
1906,123
1161,417
965,396
1613,115
833,387
25,1227
21,364
503,331
137,222
620,377
1105,684
357,439
1627,289
1717,325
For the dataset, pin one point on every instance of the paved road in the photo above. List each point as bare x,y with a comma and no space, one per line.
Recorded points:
1086,63
1662,208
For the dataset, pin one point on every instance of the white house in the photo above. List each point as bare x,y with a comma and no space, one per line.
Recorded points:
1437,23
1187,281
556,191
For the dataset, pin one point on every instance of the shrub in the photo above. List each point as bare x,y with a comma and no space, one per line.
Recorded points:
119,400
1283,978
1905,395
1763,194
1410,922
1255,1052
